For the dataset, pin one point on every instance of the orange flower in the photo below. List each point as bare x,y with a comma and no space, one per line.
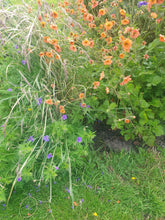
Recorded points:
54,14
53,27
46,39
39,18
159,1
122,11
53,41
49,54
144,43
121,37
125,21
43,24
121,55
49,102
107,90
91,43
161,38
154,15
57,47
134,34
127,43
41,54
158,20
96,84
73,48
126,80
103,35
109,40
89,17
62,111
102,11
84,105
91,61
127,30
81,95
85,43
94,4
75,203
127,121
108,25
146,56
39,3
101,75
107,62
57,57
152,2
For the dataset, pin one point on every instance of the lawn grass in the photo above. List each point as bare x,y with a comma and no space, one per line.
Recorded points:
114,185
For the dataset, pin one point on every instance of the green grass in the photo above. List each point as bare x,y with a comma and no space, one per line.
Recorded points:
113,194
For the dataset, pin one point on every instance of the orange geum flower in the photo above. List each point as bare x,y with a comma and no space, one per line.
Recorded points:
73,48
61,107
49,54
54,14
39,2
154,15
127,121
127,30
81,95
152,2
85,43
122,11
71,11
39,18
125,80
121,55
54,27
91,43
102,11
125,21
96,84
121,37
62,111
94,4
109,40
159,1
41,54
89,17
108,25
107,62
46,39
49,101
127,43
43,24
161,38
134,34
53,41
107,90
146,56
57,57
158,20
57,47
101,75
103,35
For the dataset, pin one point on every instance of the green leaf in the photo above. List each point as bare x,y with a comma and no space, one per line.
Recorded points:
159,130
144,104
112,106
149,140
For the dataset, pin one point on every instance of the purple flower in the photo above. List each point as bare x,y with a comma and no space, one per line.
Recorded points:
2,126
40,202
3,205
46,185
88,106
9,89
82,200
90,187
39,101
67,190
64,117
50,210
29,194
19,179
31,139
79,139
23,62
57,168
54,182
103,172
142,3
49,156
18,51
27,206
16,47
46,138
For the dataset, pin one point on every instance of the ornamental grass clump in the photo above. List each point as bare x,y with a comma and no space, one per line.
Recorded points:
79,61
